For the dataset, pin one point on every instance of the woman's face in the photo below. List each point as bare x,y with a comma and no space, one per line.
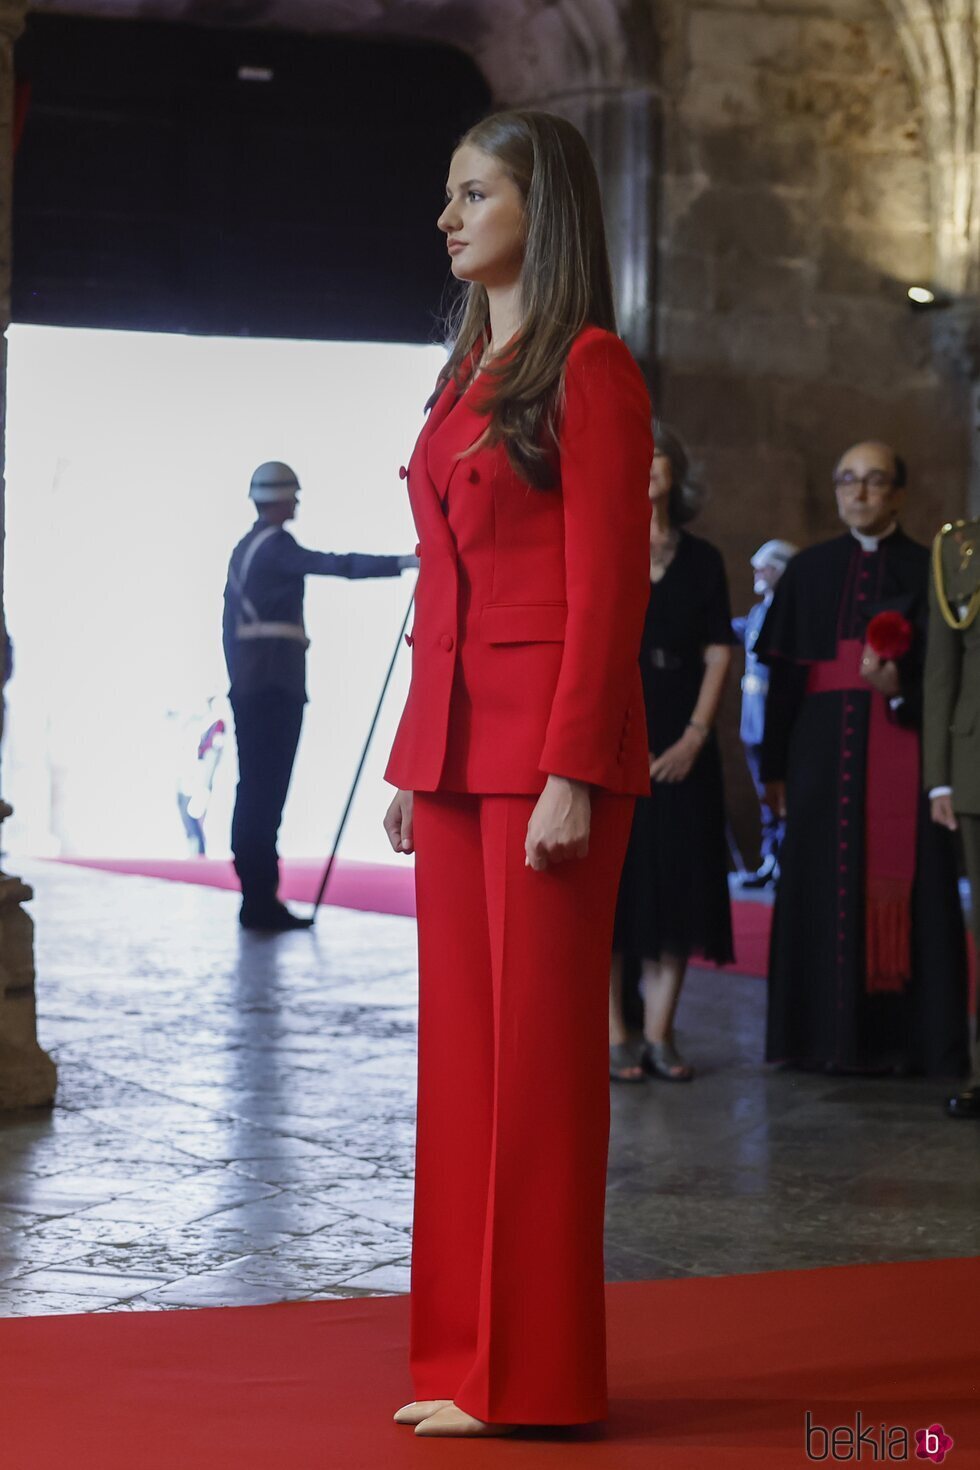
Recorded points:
483,220
661,477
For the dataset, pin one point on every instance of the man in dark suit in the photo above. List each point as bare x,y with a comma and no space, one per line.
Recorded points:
265,647
951,720
768,564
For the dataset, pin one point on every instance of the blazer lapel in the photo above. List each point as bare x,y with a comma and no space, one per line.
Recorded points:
426,505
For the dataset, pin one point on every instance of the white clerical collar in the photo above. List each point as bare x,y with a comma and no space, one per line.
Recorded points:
871,543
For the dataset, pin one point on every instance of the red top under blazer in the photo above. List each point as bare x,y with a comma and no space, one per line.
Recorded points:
530,604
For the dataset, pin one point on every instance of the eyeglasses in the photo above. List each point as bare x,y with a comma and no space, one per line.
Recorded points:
873,480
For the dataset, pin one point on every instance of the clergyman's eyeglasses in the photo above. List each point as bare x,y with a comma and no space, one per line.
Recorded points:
873,480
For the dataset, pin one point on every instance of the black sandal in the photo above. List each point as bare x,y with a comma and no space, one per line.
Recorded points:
621,1062
662,1059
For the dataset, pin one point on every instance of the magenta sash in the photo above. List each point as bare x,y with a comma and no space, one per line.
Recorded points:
891,816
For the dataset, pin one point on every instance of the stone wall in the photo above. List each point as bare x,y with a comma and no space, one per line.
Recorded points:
795,212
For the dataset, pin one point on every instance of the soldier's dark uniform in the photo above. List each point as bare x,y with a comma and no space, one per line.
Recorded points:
951,717
265,647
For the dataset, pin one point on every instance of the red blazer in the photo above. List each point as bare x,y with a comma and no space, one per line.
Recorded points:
530,603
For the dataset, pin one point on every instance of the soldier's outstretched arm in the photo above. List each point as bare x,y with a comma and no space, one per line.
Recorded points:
297,560
293,558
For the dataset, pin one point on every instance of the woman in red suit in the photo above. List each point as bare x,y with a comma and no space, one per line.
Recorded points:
519,754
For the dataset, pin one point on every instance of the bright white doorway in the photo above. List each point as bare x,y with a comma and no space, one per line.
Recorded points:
128,462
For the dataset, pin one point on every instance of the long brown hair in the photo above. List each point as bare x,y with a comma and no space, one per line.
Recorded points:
685,497
565,284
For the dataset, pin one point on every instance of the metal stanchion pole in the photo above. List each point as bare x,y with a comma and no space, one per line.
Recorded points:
360,765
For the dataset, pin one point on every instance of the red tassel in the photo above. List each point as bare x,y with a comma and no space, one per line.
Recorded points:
888,936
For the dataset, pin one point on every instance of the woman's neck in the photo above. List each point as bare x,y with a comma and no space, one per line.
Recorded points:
505,313
660,519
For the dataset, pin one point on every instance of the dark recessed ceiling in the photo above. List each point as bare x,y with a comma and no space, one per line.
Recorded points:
175,178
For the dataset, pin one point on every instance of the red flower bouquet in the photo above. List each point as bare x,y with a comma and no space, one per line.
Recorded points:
889,635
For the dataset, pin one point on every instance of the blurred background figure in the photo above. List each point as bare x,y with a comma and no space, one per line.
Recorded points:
673,897
867,963
202,746
951,722
265,645
768,564
6,674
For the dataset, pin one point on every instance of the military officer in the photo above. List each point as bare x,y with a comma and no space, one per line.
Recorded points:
768,565
951,727
265,647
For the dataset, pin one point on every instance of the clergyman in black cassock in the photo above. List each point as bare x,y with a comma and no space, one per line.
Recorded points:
847,753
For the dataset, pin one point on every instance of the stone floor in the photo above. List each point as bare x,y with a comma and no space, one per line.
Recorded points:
234,1123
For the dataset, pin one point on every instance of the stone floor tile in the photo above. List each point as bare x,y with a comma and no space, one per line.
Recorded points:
313,1172
193,1198
286,1214
24,1252
389,1201
76,1283
391,1278
51,1303
70,1231
218,1289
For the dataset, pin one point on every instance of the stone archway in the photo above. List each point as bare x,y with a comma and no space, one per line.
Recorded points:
590,60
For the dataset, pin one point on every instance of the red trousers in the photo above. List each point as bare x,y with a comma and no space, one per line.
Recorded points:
508,1312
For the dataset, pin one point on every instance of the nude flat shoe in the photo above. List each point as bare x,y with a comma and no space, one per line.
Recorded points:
414,1413
455,1423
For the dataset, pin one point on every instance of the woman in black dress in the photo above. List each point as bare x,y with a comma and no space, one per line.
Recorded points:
673,897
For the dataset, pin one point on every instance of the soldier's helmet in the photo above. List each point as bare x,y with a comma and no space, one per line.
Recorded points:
273,481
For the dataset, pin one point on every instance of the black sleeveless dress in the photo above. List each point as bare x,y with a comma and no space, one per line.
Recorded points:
673,896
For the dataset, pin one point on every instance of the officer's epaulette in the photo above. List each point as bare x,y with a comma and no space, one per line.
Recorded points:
956,571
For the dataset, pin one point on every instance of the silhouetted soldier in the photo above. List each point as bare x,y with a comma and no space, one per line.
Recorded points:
265,647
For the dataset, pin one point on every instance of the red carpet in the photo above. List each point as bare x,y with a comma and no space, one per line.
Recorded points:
382,888
388,889
705,1374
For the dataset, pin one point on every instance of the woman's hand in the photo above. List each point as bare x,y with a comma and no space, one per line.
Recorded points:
398,822
678,759
882,676
559,825
776,798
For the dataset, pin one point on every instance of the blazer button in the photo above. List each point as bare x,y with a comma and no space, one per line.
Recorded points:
402,472
409,639
418,549
474,477
448,642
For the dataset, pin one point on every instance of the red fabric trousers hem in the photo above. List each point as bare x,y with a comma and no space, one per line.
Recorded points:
508,1311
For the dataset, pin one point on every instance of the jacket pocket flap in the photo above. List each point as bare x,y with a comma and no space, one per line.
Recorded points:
523,622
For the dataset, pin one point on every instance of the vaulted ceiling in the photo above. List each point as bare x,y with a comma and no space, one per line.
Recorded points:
526,49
